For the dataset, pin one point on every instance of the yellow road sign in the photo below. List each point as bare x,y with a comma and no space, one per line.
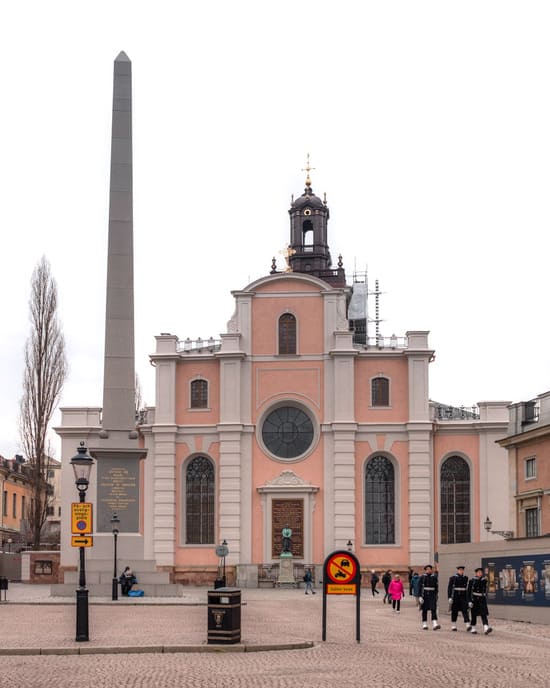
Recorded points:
82,541
81,518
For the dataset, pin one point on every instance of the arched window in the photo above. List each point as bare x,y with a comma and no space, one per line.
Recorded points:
380,391
199,502
287,334
379,502
307,235
455,501
199,394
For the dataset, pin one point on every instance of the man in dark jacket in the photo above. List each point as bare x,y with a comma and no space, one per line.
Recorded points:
373,583
456,592
386,580
428,589
477,601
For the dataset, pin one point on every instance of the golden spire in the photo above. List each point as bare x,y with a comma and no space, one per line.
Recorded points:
308,169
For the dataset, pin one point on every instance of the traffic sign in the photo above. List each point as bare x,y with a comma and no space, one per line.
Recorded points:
342,576
82,541
341,569
81,518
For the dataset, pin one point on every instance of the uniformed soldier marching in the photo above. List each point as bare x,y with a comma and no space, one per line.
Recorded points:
458,602
427,597
477,601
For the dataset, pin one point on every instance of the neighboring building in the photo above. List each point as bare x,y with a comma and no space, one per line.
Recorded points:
16,494
52,527
528,445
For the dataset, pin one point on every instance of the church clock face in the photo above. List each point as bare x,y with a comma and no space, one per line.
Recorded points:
287,432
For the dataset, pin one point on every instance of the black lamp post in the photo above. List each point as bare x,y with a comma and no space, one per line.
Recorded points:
224,544
82,466
114,526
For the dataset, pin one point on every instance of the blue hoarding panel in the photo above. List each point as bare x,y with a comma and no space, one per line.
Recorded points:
523,580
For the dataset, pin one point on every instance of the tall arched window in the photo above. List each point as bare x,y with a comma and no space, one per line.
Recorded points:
380,391
455,501
287,334
199,502
379,502
199,394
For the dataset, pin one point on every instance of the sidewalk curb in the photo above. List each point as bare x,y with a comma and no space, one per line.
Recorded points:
155,649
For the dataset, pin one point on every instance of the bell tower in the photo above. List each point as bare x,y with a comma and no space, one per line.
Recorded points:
309,251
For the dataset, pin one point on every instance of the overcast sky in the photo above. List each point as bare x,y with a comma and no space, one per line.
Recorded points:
428,125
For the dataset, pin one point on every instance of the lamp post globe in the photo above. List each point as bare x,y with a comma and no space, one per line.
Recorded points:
82,464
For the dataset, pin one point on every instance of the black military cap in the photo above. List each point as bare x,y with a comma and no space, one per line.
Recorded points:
428,566
461,567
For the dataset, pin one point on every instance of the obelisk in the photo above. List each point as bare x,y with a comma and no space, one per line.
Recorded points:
118,451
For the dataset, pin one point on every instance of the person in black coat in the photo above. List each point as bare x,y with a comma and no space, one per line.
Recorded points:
458,602
427,591
386,580
477,601
127,579
374,582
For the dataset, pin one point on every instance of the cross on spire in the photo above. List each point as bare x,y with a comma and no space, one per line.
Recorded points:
308,169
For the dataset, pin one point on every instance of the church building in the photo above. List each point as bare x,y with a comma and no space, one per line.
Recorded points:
297,417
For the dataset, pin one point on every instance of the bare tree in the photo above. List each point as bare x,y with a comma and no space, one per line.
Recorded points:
43,379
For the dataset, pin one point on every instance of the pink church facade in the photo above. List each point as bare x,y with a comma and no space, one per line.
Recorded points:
297,417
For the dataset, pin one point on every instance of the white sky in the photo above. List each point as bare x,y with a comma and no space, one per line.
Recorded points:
428,124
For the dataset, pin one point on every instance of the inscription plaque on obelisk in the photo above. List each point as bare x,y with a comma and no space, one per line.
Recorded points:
118,491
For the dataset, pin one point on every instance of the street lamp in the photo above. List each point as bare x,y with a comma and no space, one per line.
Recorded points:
115,521
9,544
82,466
506,534
224,545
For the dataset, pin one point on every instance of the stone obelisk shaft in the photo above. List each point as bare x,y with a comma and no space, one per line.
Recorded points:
119,370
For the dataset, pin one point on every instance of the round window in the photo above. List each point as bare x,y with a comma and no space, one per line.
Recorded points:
287,432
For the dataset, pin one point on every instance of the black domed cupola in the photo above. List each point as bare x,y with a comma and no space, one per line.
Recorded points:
309,251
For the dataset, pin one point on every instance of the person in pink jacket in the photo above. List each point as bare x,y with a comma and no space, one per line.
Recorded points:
396,592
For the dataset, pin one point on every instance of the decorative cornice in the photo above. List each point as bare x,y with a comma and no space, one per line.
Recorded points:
288,481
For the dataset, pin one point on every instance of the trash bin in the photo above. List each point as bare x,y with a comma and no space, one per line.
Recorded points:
3,587
219,583
224,616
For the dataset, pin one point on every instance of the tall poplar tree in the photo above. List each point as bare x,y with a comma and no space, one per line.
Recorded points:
43,379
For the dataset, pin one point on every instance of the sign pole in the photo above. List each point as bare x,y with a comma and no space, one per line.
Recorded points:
342,576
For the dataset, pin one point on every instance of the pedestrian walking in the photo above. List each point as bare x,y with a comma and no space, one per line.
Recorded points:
427,597
386,580
458,601
396,592
308,580
477,601
415,585
410,575
374,582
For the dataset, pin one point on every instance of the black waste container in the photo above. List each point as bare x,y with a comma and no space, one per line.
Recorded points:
219,583
3,586
224,616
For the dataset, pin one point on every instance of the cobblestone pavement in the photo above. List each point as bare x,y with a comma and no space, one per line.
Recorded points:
393,652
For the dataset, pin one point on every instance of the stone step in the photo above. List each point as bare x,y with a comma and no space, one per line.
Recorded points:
107,565
105,590
106,577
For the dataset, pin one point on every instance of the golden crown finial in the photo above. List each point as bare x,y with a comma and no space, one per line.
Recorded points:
308,169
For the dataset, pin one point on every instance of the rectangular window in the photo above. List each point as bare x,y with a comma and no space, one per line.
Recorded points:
380,391
5,504
23,514
532,522
199,394
49,511
14,505
530,468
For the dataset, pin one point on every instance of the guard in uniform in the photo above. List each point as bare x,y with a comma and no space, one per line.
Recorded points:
477,601
427,597
458,602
